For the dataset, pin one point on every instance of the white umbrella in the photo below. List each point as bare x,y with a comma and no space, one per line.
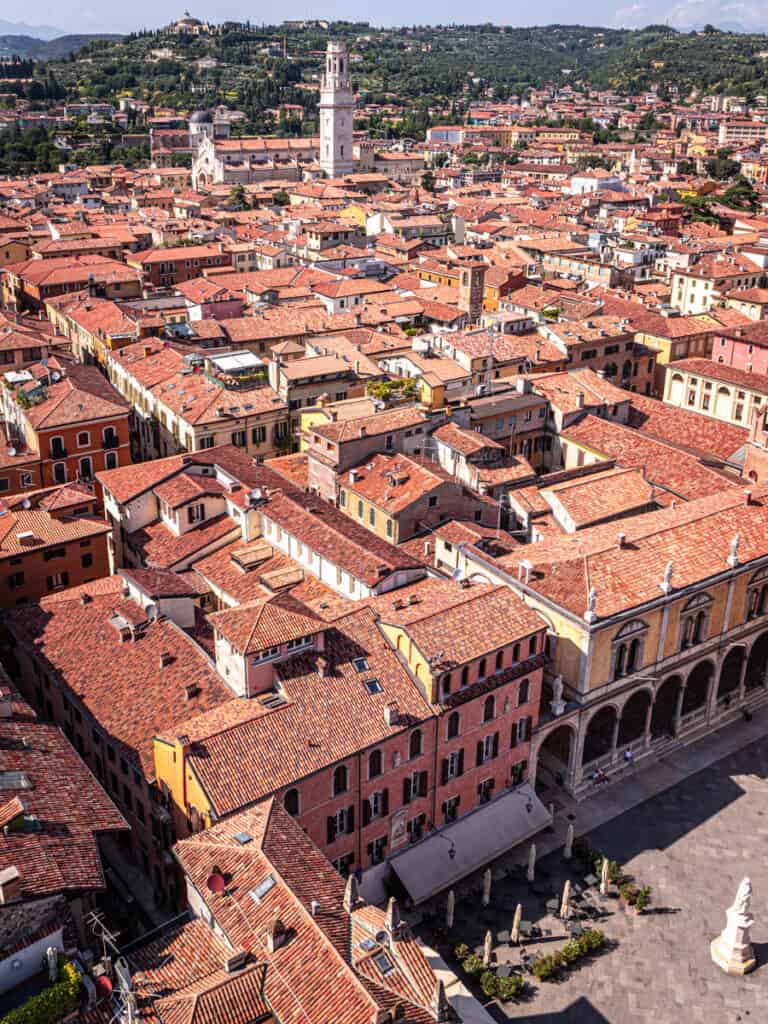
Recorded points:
487,887
565,905
531,863
450,908
487,948
568,849
515,933
604,877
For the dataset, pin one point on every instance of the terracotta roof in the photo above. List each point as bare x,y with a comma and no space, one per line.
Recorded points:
373,426
685,429
720,371
663,463
42,777
60,629
265,622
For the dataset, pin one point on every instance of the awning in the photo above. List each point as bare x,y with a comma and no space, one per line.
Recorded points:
476,839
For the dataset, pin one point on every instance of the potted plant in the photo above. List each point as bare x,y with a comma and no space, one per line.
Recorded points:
642,898
461,952
509,988
473,966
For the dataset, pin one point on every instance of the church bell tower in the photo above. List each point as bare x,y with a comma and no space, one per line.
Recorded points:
337,108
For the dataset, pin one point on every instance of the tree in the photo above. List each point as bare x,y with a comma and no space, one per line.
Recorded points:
428,181
237,197
281,197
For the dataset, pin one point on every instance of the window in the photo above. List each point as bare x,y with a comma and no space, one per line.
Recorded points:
111,460
694,621
499,660
524,692
60,472
86,561
757,595
445,684
450,809
389,527
415,744
415,827
258,435
16,580
628,649
291,802
268,652
196,513
58,580
377,850
375,764
360,664
465,675
83,439
521,730
359,510
432,501
489,709
24,478
238,438
86,468
341,823
376,806
52,553
487,748
372,516
454,722
452,766
516,653
373,686
205,442
58,451
532,646
485,790
340,780
342,499
414,786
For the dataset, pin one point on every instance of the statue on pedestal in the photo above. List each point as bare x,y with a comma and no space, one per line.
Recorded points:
557,704
732,949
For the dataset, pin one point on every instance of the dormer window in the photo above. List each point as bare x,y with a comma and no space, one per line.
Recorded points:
266,654
196,513
301,641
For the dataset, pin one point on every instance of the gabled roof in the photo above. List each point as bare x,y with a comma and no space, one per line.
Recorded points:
265,622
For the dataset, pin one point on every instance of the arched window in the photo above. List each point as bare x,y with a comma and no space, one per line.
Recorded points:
757,594
340,780
499,661
445,684
454,720
464,676
489,708
375,764
628,649
524,692
291,802
414,744
694,621
481,669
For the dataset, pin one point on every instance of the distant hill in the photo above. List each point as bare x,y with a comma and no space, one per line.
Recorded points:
51,49
20,28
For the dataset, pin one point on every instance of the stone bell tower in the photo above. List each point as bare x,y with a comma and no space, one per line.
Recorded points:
337,107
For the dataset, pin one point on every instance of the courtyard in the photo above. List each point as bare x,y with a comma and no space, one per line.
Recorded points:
692,844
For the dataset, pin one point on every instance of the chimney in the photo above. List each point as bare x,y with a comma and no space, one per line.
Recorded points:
362,432
391,714
165,659
147,351
747,497
427,548
353,476
580,400
315,908
392,920
10,885
322,666
351,894
276,935
621,539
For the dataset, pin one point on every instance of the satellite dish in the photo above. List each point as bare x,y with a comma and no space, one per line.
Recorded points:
11,451
103,986
55,376
26,503
216,883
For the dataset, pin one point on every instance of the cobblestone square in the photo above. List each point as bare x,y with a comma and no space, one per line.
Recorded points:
692,844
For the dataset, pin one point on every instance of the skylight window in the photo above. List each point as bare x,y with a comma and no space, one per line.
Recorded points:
14,780
242,838
261,890
367,945
373,686
384,964
360,664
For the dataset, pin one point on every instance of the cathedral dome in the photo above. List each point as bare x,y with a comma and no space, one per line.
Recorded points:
201,117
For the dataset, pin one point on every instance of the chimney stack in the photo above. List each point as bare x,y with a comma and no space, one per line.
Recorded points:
10,885
391,713
580,400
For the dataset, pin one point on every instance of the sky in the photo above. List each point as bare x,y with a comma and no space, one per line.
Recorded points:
111,16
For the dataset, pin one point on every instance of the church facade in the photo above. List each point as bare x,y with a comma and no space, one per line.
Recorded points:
253,159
